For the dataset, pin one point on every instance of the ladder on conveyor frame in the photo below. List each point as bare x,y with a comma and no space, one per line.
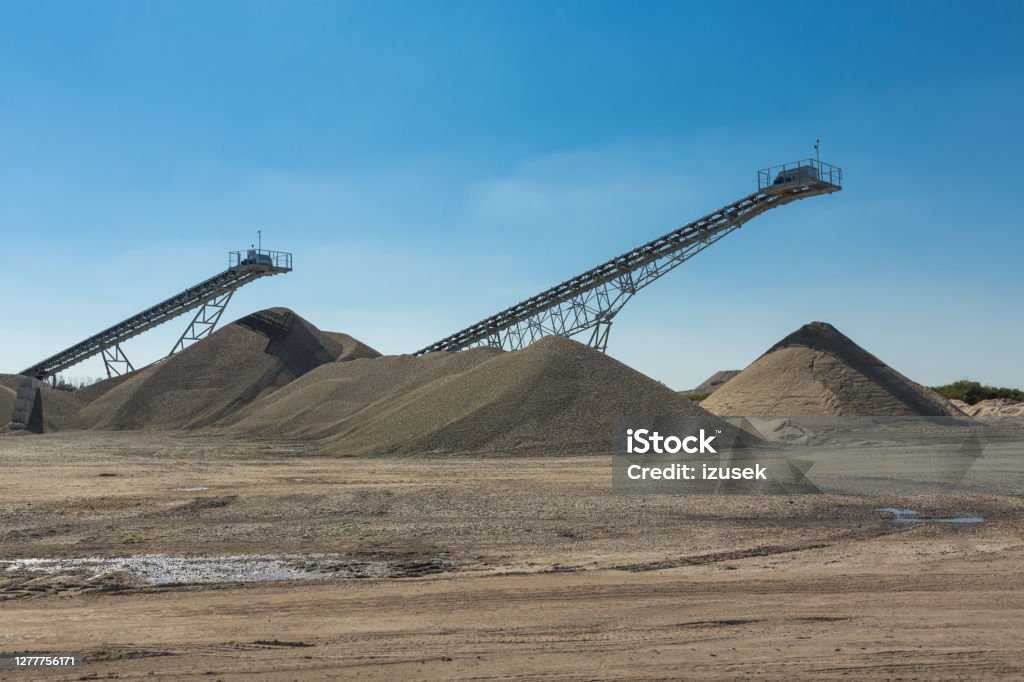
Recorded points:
589,301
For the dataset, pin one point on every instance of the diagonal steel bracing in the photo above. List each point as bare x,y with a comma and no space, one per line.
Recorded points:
116,362
204,322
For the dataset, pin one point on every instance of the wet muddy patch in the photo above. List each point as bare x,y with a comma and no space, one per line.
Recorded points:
912,516
38,576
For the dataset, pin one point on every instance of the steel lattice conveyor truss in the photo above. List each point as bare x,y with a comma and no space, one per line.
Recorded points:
589,302
211,296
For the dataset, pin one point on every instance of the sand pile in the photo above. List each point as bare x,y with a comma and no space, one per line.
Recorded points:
712,383
6,405
209,381
555,396
11,381
996,407
817,371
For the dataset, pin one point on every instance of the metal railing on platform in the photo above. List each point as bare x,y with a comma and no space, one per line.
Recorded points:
257,258
806,172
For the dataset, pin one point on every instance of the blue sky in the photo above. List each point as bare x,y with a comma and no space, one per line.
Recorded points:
430,163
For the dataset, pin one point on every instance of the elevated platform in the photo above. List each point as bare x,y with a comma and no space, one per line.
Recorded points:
260,260
800,175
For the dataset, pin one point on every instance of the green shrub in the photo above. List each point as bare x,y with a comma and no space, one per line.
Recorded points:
972,392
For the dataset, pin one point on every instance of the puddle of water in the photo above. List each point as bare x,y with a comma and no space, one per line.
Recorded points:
911,516
158,569
191,490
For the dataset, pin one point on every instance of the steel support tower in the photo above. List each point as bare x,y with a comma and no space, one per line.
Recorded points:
590,301
211,296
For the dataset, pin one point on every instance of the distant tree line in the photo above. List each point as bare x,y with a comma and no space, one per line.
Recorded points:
972,392
73,383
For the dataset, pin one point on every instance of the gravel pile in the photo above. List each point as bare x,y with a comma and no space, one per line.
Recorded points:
94,391
211,380
713,382
320,403
817,371
60,409
555,396
351,347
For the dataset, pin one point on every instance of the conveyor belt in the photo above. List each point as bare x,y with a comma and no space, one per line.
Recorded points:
590,300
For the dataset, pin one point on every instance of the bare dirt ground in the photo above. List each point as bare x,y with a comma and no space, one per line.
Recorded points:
480,568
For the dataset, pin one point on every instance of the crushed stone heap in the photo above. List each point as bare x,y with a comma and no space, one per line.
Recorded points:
210,381
713,383
555,396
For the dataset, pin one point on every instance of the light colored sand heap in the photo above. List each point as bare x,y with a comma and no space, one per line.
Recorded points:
11,381
817,371
555,396
996,407
211,380
713,382
6,405
8,382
